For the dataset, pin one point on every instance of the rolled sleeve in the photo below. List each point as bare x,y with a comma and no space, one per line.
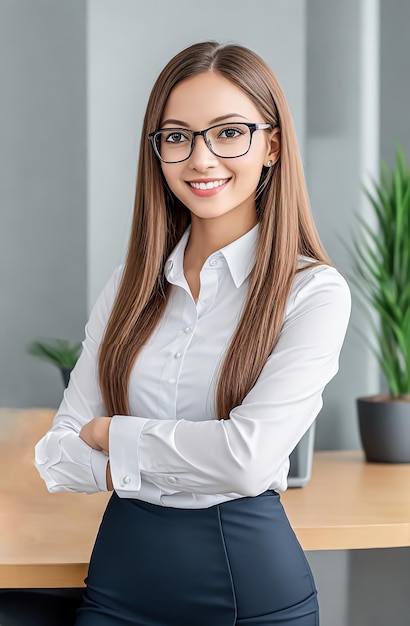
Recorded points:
55,456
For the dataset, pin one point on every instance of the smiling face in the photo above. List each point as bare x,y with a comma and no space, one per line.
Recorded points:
209,186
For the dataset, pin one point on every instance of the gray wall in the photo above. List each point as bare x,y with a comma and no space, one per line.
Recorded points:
335,150
394,78
42,190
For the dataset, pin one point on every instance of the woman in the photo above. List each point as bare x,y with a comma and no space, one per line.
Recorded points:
204,362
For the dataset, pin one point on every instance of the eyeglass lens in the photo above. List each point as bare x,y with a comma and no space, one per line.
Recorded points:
225,140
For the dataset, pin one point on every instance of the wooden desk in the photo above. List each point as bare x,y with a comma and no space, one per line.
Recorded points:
46,539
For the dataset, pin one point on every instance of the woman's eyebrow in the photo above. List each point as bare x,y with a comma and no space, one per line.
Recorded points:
220,118
175,123
225,117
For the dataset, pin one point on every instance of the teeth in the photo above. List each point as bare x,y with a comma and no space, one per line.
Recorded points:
210,185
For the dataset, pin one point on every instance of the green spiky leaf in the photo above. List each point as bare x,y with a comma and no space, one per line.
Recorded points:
381,262
59,352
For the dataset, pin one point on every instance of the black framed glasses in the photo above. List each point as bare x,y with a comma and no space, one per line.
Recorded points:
227,141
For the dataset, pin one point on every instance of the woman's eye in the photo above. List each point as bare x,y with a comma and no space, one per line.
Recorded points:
230,133
176,137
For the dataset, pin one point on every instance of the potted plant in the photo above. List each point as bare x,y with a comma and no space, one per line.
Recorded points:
59,352
381,257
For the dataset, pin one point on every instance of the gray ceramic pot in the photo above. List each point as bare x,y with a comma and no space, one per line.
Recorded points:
385,429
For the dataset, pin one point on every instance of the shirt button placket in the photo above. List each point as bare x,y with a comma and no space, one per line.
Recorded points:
209,286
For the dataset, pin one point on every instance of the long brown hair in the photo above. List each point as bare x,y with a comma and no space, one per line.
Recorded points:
286,230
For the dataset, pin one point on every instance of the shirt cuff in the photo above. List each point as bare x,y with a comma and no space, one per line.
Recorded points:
124,435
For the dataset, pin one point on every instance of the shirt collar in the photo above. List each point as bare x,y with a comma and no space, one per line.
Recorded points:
239,256
174,266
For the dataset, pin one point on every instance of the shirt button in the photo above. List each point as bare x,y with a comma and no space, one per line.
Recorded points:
177,355
172,480
187,330
126,480
213,262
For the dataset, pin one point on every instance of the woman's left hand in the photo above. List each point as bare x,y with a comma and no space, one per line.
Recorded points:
95,433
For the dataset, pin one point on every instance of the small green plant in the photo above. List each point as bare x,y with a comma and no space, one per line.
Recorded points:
381,261
59,352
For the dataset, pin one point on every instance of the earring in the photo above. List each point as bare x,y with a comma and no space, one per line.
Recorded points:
269,163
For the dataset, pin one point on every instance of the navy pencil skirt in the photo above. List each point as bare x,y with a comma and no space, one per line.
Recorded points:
233,564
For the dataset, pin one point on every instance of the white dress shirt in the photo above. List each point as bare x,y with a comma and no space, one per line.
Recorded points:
171,450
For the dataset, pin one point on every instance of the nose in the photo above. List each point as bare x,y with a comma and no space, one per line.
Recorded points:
202,158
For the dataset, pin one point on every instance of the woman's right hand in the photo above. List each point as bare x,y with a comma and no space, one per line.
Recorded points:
95,433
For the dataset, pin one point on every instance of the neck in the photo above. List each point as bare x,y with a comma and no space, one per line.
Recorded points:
208,236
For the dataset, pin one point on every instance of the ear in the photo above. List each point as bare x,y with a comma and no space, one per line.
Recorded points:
273,152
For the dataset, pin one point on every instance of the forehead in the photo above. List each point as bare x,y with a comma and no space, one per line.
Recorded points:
201,99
